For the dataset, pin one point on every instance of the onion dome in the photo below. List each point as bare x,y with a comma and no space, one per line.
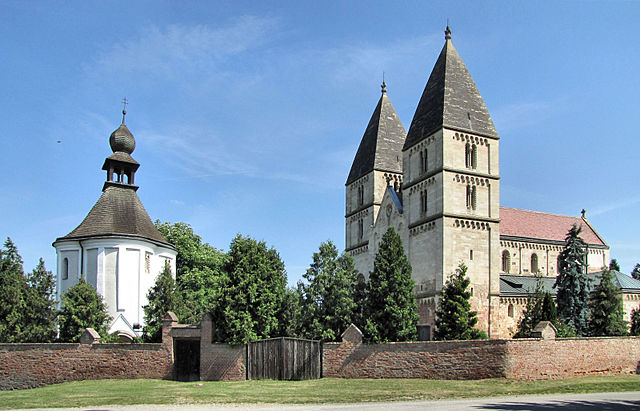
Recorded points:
122,139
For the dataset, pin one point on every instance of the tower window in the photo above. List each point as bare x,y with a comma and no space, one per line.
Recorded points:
510,310
534,263
360,195
65,269
360,229
471,156
471,197
423,202
470,254
506,261
424,161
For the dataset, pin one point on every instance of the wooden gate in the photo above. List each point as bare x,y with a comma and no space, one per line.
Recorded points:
284,359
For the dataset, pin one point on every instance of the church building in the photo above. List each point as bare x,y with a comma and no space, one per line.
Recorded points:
117,248
438,185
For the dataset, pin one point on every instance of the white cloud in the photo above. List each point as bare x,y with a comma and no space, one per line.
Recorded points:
515,116
617,205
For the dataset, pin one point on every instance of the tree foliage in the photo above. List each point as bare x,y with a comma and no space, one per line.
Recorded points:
635,273
162,297
82,308
614,266
40,308
327,304
199,271
540,307
290,320
391,310
454,318
635,321
573,284
253,295
605,305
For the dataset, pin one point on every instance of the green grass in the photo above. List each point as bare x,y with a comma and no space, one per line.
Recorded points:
327,390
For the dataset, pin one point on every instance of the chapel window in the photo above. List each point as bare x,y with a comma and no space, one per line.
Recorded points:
471,197
474,157
424,161
534,263
506,261
360,195
360,229
510,310
65,269
467,156
423,202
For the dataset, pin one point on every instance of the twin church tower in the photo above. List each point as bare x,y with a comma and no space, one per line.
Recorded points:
438,185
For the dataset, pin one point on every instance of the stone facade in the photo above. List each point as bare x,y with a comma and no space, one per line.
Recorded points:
445,203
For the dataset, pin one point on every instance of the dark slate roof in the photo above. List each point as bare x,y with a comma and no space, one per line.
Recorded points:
123,157
118,211
381,145
544,226
450,99
526,284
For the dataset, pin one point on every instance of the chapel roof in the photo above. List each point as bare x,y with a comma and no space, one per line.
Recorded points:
118,211
381,144
526,284
544,226
450,99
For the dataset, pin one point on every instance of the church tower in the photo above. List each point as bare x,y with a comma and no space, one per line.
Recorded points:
451,189
377,165
116,248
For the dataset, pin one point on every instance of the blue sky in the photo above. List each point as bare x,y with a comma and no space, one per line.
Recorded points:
247,115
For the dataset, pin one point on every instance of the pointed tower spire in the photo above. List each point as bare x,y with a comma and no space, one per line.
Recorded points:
381,144
450,99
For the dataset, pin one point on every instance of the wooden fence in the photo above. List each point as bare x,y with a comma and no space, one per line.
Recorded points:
284,359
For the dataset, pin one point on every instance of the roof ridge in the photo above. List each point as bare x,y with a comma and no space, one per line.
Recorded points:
540,212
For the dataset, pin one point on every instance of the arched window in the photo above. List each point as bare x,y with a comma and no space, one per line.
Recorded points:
65,269
506,261
424,161
510,310
467,156
471,197
474,157
423,202
534,263
360,229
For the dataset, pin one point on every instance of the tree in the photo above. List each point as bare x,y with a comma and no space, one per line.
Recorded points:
253,294
360,301
40,306
614,266
290,320
605,305
540,307
12,289
392,310
454,318
82,308
573,284
162,297
636,272
328,306
635,321
199,271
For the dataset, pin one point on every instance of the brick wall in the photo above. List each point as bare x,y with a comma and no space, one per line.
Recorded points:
452,360
572,357
34,365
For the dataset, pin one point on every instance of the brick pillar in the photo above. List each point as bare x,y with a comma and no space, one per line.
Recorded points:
168,322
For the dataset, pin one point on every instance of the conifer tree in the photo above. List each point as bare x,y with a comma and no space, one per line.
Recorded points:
328,306
573,284
636,272
253,294
360,301
540,307
605,305
82,308
162,297
40,308
635,321
614,266
454,318
290,319
392,310
12,290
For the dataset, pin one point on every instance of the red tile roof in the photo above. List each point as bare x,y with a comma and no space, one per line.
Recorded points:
543,226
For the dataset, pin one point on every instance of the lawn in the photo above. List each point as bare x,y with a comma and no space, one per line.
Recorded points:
326,390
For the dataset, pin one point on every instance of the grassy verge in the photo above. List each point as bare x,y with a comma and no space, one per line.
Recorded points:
328,390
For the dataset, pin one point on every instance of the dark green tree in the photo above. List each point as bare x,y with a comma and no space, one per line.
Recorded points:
13,287
635,321
199,271
636,272
391,310
162,297
540,307
572,283
40,306
290,320
82,308
614,266
454,318
253,294
605,305
360,301
328,306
